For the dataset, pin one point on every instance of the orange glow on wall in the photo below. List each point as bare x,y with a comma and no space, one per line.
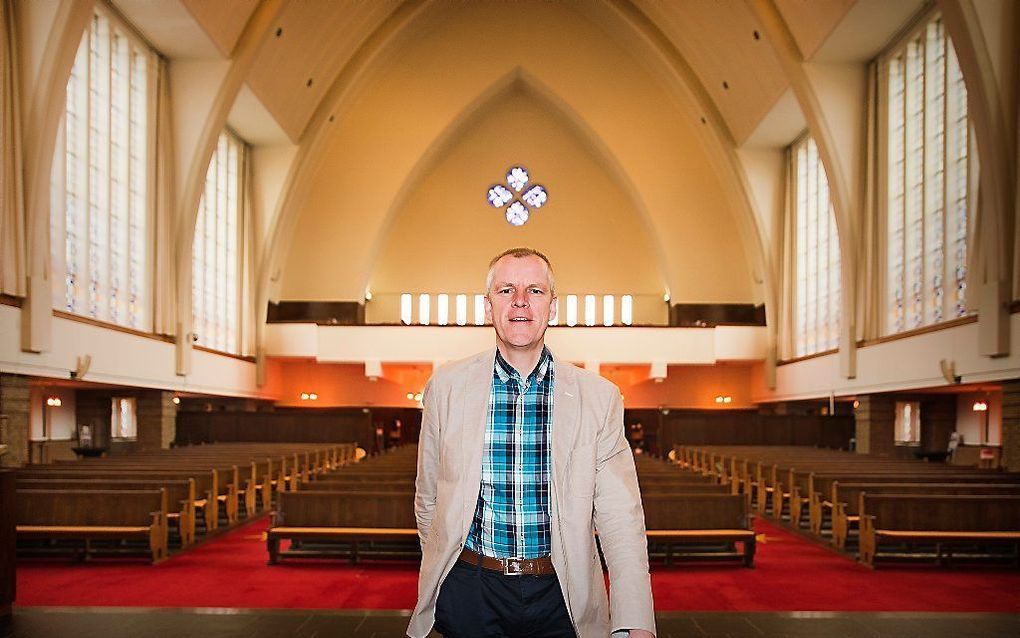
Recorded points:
345,384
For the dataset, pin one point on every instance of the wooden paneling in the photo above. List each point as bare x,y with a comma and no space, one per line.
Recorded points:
746,427
688,315
331,313
291,426
8,511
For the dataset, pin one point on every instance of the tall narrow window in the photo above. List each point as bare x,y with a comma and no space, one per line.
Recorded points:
928,189
627,310
479,310
101,212
571,310
816,260
608,310
123,418
423,309
908,423
406,302
215,278
442,309
461,310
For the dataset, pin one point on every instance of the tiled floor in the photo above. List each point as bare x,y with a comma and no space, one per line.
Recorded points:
236,623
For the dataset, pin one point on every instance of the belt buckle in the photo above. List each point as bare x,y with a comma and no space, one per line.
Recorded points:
513,566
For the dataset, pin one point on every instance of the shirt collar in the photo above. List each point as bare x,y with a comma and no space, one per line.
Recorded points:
507,371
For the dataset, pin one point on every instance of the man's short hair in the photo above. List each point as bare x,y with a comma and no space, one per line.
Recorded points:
519,253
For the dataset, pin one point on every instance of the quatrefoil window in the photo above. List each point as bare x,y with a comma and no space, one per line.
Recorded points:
517,211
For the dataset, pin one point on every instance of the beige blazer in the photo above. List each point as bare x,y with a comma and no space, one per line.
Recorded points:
594,486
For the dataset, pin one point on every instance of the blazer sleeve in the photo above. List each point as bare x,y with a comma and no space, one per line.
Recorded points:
428,463
620,521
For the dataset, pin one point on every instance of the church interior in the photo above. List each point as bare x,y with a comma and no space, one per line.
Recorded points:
238,236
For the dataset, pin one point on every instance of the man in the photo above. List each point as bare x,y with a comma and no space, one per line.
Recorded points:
521,458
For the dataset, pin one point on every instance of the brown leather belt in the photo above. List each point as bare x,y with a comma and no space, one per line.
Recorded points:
510,566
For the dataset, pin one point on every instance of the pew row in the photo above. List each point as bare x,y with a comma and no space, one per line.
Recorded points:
89,515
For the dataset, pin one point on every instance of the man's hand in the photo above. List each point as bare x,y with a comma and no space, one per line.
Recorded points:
641,633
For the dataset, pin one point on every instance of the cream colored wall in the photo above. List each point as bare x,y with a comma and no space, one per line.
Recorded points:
444,236
412,106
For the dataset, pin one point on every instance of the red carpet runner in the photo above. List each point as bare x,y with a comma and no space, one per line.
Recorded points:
791,575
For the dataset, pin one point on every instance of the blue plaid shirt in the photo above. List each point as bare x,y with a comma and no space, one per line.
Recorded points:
512,516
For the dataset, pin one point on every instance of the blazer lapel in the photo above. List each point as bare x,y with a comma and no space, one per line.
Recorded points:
565,418
477,388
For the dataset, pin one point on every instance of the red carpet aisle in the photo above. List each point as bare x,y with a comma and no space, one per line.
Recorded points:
791,575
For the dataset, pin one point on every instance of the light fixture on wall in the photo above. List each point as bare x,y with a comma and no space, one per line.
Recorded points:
410,396
53,402
309,396
665,296
982,408
176,400
368,295
723,398
417,397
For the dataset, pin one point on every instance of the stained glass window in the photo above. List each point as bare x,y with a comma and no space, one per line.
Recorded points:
816,259
928,187
215,279
100,206
519,210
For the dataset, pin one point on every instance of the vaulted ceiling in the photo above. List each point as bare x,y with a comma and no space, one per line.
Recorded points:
362,100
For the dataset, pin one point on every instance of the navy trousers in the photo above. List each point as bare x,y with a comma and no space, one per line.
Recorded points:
480,603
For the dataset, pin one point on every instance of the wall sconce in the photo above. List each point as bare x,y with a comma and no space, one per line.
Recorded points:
176,400
857,404
53,402
309,396
981,407
723,399
665,297
417,397
410,396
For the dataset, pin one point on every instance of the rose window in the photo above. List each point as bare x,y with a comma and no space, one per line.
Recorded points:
518,198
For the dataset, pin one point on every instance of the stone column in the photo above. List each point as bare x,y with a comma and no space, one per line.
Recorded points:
1011,425
875,422
157,420
14,405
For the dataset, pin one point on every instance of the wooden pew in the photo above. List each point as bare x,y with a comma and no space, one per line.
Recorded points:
944,521
351,517
95,514
699,519
846,499
180,496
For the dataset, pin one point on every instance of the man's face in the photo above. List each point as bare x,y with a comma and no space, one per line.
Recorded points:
519,304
